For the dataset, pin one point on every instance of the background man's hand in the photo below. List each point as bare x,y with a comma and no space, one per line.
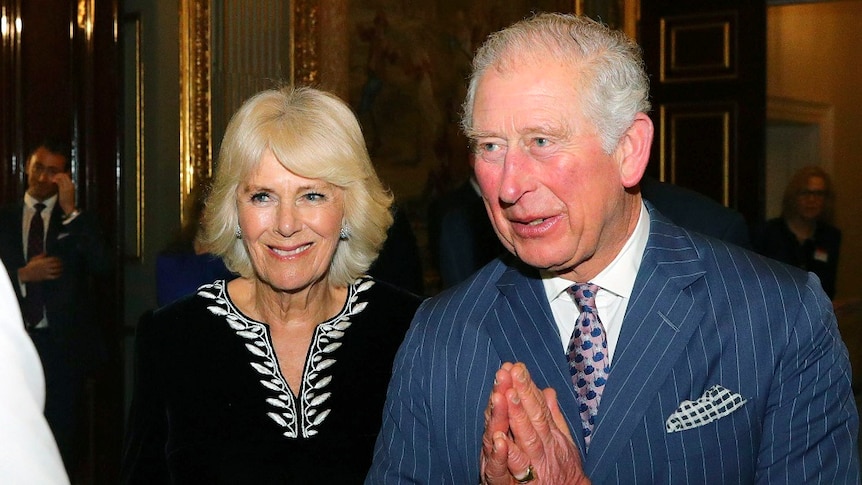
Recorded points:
41,268
65,192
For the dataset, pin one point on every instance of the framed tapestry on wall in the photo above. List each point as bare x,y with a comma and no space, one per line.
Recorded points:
402,67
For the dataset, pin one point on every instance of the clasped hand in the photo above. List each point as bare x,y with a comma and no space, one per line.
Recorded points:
40,268
525,431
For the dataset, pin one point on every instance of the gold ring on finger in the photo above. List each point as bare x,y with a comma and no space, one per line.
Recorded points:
528,476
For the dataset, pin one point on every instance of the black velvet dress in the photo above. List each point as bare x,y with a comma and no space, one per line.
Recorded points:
210,404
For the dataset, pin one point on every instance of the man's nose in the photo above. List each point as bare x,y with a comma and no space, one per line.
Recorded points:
515,175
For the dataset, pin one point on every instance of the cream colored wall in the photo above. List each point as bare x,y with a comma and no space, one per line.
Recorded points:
813,54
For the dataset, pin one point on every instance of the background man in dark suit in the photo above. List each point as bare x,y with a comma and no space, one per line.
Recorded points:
695,211
460,235
618,347
51,268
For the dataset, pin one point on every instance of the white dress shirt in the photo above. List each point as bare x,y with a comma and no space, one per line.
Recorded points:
616,282
29,210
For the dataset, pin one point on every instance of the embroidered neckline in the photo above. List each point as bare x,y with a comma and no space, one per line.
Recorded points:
302,415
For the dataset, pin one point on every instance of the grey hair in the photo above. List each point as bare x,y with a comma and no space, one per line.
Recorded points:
613,83
315,135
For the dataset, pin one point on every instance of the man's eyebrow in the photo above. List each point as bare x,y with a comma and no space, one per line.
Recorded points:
474,134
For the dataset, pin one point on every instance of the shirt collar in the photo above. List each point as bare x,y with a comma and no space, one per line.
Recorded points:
619,276
31,202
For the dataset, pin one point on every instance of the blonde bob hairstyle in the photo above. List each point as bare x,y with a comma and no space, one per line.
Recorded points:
315,135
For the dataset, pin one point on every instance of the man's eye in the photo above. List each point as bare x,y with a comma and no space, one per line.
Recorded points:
489,147
541,142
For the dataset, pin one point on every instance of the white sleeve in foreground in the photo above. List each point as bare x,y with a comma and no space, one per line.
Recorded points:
28,452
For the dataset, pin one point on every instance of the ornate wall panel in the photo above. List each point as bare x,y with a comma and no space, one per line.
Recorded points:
707,63
696,148
699,47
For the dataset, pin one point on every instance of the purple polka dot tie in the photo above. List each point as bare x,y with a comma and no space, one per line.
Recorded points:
588,355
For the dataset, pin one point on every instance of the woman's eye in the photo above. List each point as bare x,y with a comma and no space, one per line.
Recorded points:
314,197
259,197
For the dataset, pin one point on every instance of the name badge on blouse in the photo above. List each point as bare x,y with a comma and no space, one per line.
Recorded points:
821,255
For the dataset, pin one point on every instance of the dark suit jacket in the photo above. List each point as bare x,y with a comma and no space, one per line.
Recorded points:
697,212
460,235
399,261
689,326
71,308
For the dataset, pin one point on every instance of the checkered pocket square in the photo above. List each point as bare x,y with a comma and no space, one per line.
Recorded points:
715,403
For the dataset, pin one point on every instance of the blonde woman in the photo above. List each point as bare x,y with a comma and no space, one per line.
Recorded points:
278,376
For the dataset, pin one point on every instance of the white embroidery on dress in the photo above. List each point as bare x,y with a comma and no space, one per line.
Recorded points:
313,393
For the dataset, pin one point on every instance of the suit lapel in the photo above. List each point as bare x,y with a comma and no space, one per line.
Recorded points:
522,329
660,319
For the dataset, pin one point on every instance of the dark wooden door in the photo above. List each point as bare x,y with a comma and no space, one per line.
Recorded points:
707,66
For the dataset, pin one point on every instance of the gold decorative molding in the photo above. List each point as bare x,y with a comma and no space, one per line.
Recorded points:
306,27
195,85
196,146
134,189
700,47
676,148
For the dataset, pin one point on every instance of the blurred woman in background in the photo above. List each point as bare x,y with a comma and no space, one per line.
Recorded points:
804,235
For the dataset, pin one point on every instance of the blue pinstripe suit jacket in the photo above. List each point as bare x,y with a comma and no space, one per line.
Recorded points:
689,326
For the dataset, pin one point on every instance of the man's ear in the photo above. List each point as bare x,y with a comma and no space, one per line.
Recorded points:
633,150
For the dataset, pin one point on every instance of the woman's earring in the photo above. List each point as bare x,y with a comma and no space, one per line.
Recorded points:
344,235
237,232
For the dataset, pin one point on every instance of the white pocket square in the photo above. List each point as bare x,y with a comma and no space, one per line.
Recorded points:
715,403
62,235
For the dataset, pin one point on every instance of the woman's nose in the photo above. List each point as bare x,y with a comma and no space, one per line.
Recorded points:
287,221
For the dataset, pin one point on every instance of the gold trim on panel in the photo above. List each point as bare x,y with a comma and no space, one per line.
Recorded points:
670,70
196,153
725,43
195,85
306,28
668,120
135,139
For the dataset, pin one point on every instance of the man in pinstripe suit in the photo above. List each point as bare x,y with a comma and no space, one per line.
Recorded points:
725,367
